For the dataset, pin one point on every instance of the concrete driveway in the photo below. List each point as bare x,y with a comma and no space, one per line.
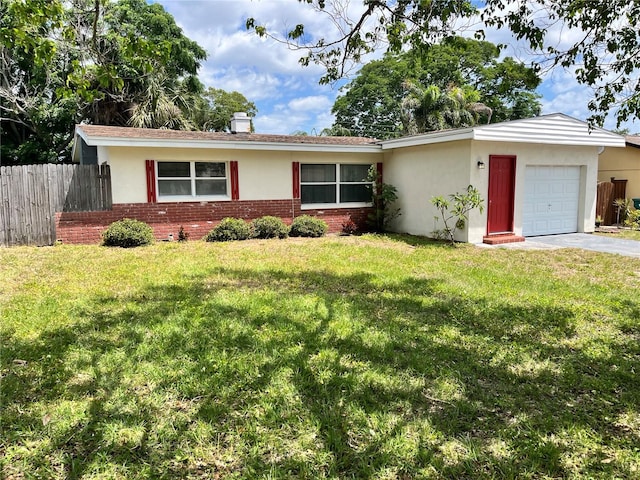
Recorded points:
586,241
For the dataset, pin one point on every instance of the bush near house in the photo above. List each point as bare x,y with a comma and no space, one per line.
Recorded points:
127,233
308,226
633,219
229,229
269,227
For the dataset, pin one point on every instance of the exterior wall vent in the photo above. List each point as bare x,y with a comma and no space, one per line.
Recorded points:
240,123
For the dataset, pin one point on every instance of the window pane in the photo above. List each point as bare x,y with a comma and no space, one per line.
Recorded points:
209,169
355,193
317,173
174,169
318,194
354,173
174,187
211,187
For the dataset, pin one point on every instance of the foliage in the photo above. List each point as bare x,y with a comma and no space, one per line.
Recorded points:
213,110
429,109
308,226
383,196
36,120
370,104
183,235
229,229
454,212
269,227
127,233
349,227
120,62
291,359
633,219
602,44
623,209
336,131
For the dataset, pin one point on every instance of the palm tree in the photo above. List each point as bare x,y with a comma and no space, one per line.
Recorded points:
430,109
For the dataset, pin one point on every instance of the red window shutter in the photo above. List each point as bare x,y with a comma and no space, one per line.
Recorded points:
235,184
379,170
296,179
151,181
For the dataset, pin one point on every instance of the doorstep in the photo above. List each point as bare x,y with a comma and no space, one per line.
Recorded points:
502,238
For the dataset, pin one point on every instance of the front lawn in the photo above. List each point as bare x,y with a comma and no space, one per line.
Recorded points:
625,233
344,357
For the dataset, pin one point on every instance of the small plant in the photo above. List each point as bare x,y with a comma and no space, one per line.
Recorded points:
598,220
127,233
454,212
229,229
623,209
383,196
182,235
633,220
349,227
308,226
269,227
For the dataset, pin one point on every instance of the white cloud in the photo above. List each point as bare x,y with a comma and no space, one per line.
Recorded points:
316,103
287,95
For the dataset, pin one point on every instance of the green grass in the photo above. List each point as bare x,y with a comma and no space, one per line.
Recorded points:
622,233
344,357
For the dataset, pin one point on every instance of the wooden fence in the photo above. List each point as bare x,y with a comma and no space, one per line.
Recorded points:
31,194
608,192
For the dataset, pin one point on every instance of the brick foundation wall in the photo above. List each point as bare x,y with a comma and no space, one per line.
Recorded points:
197,218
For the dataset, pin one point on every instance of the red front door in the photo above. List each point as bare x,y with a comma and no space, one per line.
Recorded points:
502,180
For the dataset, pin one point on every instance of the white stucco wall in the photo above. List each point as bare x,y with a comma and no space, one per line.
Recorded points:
262,175
423,172
537,154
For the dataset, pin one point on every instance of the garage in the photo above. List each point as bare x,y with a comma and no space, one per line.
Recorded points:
551,200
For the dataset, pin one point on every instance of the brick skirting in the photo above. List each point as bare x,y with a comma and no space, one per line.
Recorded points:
196,218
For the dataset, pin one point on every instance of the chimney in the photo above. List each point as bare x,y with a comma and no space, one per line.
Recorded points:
240,123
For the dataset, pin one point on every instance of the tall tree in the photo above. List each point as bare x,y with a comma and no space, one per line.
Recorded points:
371,102
605,49
112,62
212,111
36,120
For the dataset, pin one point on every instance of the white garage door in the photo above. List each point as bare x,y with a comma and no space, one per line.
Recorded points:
550,200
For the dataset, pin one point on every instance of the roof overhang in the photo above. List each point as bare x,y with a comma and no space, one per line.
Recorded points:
554,129
223,144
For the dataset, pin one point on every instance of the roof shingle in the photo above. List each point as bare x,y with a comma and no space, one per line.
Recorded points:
103,131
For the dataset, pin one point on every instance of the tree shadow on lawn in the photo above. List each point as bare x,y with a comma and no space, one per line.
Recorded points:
312,374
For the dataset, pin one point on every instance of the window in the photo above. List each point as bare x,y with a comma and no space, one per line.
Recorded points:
334,183
192,179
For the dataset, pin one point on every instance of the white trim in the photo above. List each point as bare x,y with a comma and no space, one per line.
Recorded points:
227,145
192,179
185,198
554,129
428,138
337,184
328,206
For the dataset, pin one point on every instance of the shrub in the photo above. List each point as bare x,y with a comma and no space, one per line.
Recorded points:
182,235
633,219
308,226
349,227
455,212
269,227
383,196
127,233
229,229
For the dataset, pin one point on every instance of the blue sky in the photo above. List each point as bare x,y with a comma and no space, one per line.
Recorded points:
287,95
